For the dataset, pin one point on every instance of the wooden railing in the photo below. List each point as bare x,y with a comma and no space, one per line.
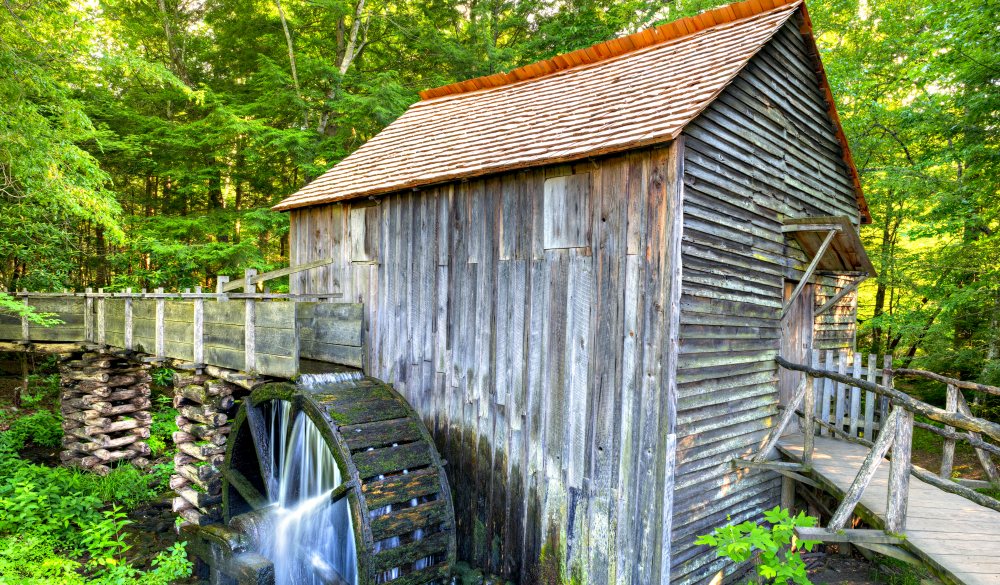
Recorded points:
246,331
823,393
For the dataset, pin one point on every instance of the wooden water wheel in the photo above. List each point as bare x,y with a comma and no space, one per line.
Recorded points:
393,478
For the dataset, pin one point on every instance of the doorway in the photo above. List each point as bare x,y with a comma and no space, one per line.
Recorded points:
796,337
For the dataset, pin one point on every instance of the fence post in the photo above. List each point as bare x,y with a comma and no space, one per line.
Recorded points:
948,450
25,324
899,472
855,396
808,412
161,325
883,402
841,410
128,320
220,283
102,319
870,399
249,323
198,352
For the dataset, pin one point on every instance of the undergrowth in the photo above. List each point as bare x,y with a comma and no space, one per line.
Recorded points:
67,526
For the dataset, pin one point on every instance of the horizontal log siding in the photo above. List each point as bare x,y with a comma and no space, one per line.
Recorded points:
540,371
764,150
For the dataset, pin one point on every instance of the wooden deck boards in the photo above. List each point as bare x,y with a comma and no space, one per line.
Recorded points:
959,538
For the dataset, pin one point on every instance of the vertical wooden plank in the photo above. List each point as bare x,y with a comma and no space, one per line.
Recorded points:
198,332
161,325
828,391
624,519
870,401
102,319
221,282
128,319
88,316
249,323
668,408
841,409
855,395
899,472
883,402
948,449
25,326
808,427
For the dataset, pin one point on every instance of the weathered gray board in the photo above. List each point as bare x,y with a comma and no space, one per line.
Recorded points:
67,309
223,334
542,370
330,332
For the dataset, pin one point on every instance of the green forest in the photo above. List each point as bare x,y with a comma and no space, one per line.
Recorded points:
143,143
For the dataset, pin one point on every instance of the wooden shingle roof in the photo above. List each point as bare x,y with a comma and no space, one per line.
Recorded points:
634,91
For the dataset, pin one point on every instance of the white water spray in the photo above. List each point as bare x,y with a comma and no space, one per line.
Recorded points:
308,537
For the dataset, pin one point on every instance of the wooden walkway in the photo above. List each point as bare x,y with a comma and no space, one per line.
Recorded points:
957,537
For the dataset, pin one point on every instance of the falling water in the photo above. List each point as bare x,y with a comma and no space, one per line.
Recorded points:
308,537
310,381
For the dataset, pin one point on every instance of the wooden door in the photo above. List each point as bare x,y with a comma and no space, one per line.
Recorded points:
796,337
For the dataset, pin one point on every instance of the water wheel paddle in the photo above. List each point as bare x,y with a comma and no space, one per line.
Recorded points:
347,452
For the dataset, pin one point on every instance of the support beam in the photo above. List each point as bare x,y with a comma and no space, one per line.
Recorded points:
865,474
843,292
775,436
898,493
810,270
249,323
853,536
238,284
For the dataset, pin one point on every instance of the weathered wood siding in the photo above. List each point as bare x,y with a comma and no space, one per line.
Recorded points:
763,151
540,359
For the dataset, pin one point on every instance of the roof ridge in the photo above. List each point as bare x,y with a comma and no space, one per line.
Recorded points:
606,50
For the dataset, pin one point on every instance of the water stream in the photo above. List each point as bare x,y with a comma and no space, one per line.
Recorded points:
308,537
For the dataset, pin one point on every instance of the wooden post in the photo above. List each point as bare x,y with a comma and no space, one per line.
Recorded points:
883,402
787,493
102,319
899,472
808,411
199,330
128,319
161,325
865,474
249,323
828,392
855,397
870,399
88,315
948,449
840,412
25,325
220,287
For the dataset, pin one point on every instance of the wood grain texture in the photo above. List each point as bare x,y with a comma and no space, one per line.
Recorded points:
514,353
763,151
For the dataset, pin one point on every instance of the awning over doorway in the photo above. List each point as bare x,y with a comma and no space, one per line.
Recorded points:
844,253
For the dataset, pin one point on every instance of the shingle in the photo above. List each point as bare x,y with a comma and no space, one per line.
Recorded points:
558,110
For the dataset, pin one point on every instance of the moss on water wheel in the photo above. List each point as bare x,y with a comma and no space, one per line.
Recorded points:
394,479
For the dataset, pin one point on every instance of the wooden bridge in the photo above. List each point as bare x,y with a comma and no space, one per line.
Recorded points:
850,417
259,333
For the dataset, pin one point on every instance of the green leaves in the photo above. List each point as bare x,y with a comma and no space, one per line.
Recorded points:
773,545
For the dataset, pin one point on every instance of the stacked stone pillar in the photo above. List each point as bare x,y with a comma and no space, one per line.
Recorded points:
106,412
205,406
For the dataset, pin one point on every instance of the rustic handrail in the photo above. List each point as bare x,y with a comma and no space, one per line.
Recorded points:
946,380
896,434
954,419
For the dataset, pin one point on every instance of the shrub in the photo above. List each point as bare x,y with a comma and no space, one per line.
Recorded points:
42,428
778,561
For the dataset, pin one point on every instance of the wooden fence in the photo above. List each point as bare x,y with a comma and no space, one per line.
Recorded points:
258,333
840,395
